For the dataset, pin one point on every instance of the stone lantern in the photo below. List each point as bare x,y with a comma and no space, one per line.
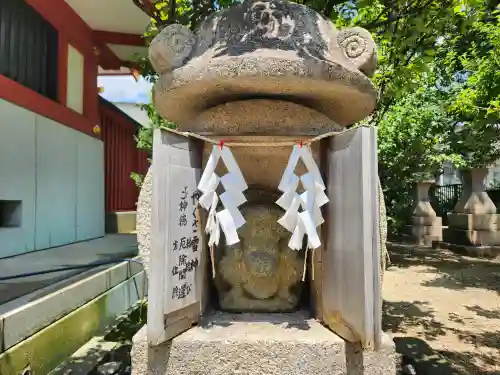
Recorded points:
256,81
427,227
474,225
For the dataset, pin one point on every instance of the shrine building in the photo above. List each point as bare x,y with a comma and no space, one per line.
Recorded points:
66,154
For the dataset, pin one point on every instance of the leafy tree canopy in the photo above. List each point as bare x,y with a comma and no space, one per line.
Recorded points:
438,79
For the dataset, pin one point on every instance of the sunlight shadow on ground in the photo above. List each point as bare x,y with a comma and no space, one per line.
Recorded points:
455,271
462,339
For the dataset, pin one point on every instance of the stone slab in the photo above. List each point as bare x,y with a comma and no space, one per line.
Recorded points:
256,344
473,251
488,222
110,247
120,222
427,235
471,237
30,318
427,221
85,359
46,349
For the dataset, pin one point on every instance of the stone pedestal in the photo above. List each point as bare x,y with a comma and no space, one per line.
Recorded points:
475,230
263,344
475,199
426,226
262,73
475,222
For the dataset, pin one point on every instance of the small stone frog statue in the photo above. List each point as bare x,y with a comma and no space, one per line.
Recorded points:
260,274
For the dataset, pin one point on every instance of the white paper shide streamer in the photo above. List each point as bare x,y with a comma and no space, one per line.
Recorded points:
230,218
305,221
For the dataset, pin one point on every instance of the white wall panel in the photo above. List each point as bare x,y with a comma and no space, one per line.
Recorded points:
17,176
90,188
56,174
56,184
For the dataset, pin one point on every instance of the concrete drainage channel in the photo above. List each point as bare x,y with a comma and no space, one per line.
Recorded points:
108,354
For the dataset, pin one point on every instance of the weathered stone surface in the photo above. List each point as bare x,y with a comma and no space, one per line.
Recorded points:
423,207
474,222
428,221
271,344
471,237
475,199
260,273
170,48
473,251
260,71
263,116
490,222
426,228
143,220
426,235
263,166
270,49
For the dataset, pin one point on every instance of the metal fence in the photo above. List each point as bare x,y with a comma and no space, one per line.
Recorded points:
444,198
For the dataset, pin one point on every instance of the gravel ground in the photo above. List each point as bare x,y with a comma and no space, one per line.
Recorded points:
450,303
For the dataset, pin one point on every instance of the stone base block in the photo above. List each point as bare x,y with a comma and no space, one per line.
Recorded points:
489,222
120,222
471,237
427,235
473,251
259,344
427,221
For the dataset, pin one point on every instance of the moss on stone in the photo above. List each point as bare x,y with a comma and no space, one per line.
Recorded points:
46,349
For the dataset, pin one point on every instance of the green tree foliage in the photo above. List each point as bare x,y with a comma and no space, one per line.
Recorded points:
415,139
438,81
475,100
454,113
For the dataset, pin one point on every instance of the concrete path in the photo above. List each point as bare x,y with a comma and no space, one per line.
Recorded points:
110,247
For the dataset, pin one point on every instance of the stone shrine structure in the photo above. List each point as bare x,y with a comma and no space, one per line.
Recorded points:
427,227
474,225
258,78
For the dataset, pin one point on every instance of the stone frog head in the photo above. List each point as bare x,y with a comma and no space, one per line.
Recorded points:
263,50
261,270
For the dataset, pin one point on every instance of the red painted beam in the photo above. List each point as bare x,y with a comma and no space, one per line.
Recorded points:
75,30
62,79
24,97
90,90
108,37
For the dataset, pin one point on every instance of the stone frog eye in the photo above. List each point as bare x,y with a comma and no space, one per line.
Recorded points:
359,48
171,48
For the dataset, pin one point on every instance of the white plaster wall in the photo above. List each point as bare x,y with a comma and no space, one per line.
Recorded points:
74,94
57,173
17,175
134,111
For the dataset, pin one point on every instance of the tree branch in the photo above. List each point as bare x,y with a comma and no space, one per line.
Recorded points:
404,14
171,11
328,8
147,7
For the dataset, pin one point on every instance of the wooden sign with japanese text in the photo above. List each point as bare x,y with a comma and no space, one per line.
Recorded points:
177,259
351,293
183,249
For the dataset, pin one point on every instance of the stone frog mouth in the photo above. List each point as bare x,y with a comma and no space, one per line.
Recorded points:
263,51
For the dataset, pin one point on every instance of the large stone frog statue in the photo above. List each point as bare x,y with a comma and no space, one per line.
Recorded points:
262,69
